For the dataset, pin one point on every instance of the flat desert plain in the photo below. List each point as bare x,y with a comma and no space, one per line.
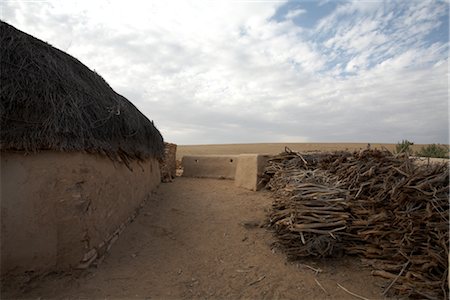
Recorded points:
275,148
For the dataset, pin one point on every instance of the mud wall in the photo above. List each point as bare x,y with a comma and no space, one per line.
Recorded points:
209,166
63,210
249,170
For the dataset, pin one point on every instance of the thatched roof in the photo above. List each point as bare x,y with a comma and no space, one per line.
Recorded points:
51,101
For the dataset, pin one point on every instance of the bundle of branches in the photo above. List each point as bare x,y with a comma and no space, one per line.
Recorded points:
391,212
51,101
309,211
399,219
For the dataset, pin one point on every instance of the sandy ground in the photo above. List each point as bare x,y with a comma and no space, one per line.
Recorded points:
198,238
275,148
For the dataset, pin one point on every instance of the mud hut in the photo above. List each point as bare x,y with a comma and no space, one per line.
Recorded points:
77,159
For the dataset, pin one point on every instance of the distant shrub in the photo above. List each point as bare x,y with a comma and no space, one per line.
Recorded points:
433,150
404,147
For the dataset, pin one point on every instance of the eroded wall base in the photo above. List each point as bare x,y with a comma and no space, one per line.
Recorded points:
58,210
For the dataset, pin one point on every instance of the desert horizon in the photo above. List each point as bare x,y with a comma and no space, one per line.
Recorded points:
275,148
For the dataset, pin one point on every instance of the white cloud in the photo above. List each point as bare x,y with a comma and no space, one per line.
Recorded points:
214,72
295,13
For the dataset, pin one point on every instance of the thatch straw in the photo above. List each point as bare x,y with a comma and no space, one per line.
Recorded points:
51,101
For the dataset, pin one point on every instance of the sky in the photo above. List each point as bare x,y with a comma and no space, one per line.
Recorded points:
210,72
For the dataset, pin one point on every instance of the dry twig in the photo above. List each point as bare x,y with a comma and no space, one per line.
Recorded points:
257,280
323,289
351,293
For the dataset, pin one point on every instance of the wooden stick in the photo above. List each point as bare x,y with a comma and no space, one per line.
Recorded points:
351,293
302,238
302,158
257,280
383,274
318,225
318,270
318,283
395,279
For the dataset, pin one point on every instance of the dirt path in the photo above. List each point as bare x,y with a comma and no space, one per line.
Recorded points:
197,240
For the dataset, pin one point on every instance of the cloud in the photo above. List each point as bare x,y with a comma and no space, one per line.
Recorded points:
295,13
212,72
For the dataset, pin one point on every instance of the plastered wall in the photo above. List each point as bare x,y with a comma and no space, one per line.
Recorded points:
210,166
61,210
249,170
244,169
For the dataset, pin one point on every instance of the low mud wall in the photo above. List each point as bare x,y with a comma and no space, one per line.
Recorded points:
64,210
244,169
210,166
249,171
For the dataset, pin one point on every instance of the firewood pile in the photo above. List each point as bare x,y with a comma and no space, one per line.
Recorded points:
309,213
384,208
